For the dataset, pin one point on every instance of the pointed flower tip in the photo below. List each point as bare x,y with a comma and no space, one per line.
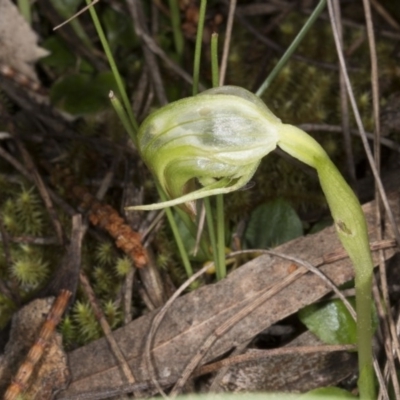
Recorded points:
216,138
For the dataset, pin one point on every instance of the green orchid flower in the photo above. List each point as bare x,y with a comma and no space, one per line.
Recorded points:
217,139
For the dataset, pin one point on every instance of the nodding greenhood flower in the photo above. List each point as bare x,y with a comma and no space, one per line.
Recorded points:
218,139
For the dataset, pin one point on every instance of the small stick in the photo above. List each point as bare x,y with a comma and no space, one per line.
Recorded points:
106,328
43,190
19,382
228,36
76,14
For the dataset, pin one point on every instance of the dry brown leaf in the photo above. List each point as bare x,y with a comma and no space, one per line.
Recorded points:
18,42
290,372
193,317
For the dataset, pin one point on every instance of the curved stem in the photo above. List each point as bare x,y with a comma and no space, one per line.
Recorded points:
351,228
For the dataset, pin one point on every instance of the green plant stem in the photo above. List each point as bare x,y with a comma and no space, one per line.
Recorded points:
352,231
214,59
292,48
211,233
123,116
220,254
197,52
114,69
176,27
191,226
177,236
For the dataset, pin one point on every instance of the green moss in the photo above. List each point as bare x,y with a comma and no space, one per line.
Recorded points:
105,254
112,313
123,266
68,330
29,268
87,327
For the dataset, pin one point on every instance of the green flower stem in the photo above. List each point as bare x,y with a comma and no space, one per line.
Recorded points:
123,116
177,236
197,52
214,59
114,68
176,27
211,233
220,256
292,48
352,231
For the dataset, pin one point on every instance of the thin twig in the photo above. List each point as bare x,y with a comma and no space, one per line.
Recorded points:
344,105
76,14
378,204
82,48
138,97
136,11
389,365
43,190
347,22
336,128
21,169
107,180
106,328
361,127
156,49
156,323
227,42
385,14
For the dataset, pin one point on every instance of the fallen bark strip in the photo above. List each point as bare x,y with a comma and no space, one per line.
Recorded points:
302,365
193,317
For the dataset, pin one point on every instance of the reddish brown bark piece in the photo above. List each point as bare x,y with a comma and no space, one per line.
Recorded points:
193,317
45,358
108,218
20,380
